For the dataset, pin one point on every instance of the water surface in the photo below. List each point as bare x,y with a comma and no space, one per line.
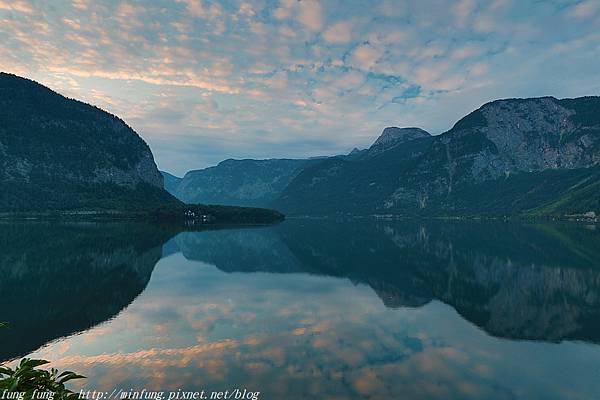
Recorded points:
311,309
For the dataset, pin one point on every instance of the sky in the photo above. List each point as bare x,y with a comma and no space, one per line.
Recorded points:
202,81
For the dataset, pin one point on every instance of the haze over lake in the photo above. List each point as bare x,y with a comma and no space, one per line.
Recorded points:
311,308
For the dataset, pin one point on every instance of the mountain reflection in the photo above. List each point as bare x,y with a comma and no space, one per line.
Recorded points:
518,281
59,279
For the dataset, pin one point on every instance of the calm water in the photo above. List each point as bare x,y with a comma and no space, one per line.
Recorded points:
311,309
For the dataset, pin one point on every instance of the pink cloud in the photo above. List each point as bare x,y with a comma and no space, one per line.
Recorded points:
311,14
19,6
197,8
339,33
366,56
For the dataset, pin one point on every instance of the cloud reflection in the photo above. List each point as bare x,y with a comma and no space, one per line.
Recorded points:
196,326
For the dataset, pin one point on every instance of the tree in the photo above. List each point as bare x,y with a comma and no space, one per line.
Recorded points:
28,379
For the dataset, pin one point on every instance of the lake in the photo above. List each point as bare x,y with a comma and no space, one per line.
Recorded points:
310,308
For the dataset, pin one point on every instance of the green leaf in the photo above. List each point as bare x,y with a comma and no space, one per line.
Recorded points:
14,385
31,363
25,378
68,376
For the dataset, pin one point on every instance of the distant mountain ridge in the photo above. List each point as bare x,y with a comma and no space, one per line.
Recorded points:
533,156
252,183
171,181
258,183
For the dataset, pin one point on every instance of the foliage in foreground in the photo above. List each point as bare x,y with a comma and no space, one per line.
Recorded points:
34,383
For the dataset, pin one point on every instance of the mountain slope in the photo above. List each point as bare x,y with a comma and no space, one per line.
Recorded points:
171,181
342,184
393,136
61,154
253,183
509,156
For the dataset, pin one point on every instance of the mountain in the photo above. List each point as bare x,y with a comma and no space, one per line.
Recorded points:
61,154
356,153
535,156
171,181
252,183
393,136
349,184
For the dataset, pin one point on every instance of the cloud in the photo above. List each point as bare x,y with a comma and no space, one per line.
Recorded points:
16,5
339,33
287,32
350,80
259,28
462,10
246,10
366,56
284,11
584,9
197,8
310,14
478,69
334,72
157,77
484,24
80,4
466,51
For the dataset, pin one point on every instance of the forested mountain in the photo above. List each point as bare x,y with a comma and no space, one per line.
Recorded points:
61,154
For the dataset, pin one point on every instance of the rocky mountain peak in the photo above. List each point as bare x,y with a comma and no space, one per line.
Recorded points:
531,135
392,136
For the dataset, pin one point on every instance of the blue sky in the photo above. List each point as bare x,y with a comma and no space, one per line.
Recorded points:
203,81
